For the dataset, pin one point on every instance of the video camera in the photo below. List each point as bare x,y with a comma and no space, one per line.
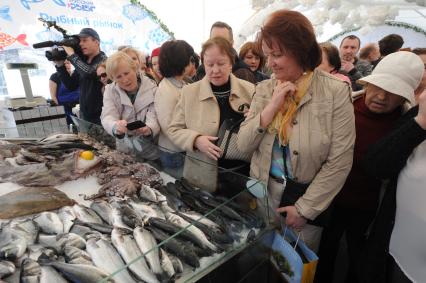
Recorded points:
58,53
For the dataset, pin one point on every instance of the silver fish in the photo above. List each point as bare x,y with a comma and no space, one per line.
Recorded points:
160,196
177,264
81,230
67,216
144,210
60,137
74,255
6,268
26,228
202,219
147,244
49,274
117,217
148,193
179,221
49,223
166,264
106,257
80,272
129,251
35,251
85,214
59,242
30,271
103,209
12,245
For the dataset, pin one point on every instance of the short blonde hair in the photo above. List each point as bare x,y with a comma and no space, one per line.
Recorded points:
130,49
115,59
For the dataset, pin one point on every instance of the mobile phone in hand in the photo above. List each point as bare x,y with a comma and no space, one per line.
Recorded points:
135,125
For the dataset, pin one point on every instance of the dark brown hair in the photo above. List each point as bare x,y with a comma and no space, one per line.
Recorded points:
295,36
332,55
224,47
390,44
175,55
255,49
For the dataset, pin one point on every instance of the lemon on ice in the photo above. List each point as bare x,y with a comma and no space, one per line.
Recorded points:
87,155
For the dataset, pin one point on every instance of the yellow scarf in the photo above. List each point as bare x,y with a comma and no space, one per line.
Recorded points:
282,119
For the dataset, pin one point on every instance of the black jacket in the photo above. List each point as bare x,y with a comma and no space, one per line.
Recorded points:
385,160
91,98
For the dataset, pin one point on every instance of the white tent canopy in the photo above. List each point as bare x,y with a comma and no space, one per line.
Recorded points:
371,20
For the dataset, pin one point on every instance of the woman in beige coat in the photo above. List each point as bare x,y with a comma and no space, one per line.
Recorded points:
129,98
202,108
300,124
175,57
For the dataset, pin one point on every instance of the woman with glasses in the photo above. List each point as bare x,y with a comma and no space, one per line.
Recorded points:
129,98
102,75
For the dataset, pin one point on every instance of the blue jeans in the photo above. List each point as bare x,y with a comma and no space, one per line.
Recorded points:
172,163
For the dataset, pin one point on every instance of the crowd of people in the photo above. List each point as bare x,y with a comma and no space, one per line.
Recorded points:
336,134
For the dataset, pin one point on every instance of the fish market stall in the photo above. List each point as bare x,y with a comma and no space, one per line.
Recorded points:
75,210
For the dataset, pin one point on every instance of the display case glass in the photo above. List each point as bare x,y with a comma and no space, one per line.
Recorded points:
216,213
230,191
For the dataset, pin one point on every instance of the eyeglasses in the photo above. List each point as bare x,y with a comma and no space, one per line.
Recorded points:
102,76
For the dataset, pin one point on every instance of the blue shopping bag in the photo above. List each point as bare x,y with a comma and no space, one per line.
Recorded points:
300,272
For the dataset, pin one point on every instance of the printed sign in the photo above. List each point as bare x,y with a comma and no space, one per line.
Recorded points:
116,21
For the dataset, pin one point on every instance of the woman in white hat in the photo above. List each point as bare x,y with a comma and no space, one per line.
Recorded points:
395,250
391,85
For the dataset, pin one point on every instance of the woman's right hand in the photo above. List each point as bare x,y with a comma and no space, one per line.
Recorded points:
281,91
205,145
120,127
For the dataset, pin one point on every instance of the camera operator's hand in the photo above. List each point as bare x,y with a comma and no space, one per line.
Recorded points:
68,50
59,63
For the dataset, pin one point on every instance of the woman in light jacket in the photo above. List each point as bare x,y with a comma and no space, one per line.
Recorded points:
202,108
300,124
174,60
129,98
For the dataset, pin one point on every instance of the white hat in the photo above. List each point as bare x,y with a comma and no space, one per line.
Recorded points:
399,73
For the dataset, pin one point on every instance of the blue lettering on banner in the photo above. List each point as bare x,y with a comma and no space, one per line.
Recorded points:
81,5
107,24
63,19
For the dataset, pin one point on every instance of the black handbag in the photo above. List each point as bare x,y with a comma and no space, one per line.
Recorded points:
293,191
228,135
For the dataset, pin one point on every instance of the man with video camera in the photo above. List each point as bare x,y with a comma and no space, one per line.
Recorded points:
85,74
